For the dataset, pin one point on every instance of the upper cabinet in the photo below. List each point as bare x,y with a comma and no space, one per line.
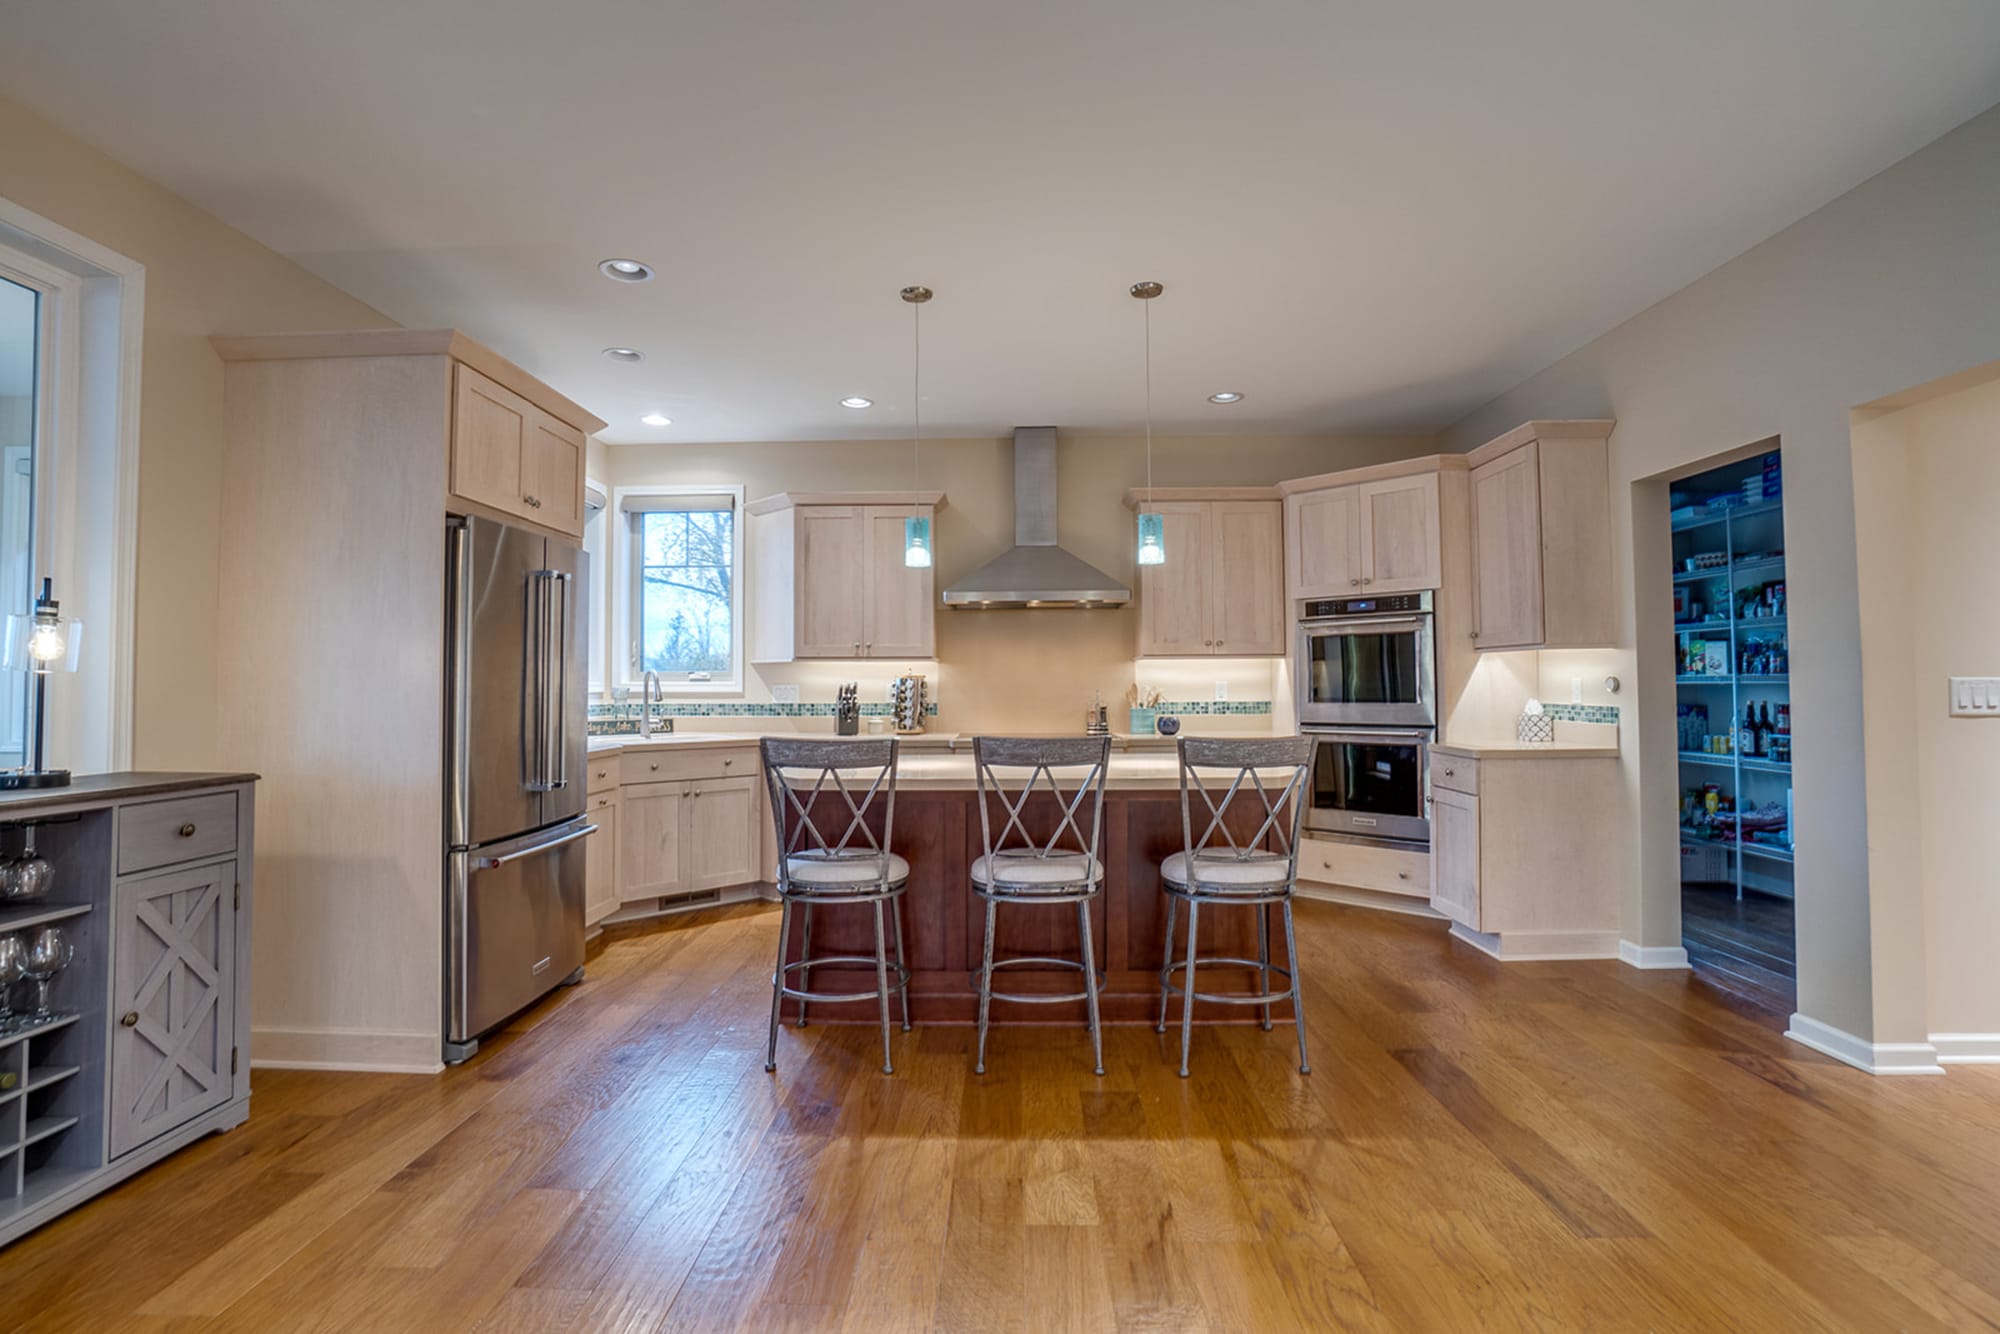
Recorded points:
1221,590
1373,536
510,447
509,455
1541,537
828,578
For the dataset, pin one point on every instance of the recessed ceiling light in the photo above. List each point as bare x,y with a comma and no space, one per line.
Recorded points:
624,354
625,270
856,401
655,419
1226,396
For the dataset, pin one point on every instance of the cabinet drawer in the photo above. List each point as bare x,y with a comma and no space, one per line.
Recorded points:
667,766
1455,773
601,801
604,773
1365,866
182,829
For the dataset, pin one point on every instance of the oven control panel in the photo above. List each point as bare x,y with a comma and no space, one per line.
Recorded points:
1387,602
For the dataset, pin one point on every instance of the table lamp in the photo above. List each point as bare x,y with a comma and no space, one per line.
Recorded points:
40,643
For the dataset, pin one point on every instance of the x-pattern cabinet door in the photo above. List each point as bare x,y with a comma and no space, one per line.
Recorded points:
173,987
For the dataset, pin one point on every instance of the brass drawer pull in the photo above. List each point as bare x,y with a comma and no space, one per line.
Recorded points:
187,830
129,1019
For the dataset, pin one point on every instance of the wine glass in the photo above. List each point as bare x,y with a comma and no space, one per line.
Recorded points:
13,967
28,877
49,952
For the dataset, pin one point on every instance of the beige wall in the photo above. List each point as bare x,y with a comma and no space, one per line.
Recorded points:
201,278
1022,670
1892,285
1927,513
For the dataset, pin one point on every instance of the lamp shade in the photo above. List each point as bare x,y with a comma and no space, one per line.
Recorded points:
41,642
1152,539
917,542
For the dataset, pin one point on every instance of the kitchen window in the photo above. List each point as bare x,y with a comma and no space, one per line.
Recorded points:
680,567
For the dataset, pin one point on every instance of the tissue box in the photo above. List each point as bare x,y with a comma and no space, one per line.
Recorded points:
1535,729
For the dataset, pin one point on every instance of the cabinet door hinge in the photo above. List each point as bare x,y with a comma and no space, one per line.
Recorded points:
232,1060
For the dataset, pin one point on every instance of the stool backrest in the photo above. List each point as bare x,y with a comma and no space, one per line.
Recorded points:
821,793
1273,771
1010,770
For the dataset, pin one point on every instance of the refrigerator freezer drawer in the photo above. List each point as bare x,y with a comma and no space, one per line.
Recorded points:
515,926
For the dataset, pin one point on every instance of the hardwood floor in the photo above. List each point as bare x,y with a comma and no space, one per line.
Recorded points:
1745,946
1480,1146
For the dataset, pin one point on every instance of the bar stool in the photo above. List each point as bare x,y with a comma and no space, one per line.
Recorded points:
1019,867
812,786
1216,869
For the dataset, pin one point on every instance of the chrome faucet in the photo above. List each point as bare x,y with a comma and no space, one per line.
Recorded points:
649,693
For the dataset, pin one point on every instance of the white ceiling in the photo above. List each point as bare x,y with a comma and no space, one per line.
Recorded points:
1373,214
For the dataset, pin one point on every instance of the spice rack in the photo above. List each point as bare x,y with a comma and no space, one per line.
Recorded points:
1733,652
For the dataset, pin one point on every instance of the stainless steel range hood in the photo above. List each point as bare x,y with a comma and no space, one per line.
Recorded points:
1036,572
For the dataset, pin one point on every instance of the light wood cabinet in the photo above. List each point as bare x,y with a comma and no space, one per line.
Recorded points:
1375,536
1541,538
600,865
1323,542
1221,590
829,581
1507,862
510,456
652,856
694,833
722,838
1399,534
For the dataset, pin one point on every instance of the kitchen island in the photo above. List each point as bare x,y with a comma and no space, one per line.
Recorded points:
937,830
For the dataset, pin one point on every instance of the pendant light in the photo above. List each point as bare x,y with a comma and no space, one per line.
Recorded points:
916,528
1152,525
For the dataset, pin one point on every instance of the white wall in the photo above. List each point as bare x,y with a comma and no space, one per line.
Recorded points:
1894,284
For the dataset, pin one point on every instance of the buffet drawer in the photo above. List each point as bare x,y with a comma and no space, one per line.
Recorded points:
604,773
180,829
1455,773
666,766
1357,865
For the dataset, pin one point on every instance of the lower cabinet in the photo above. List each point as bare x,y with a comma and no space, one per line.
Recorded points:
600,861
1455,856
687,836
173,990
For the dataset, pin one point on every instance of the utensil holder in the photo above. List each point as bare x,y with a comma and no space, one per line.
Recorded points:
1143,721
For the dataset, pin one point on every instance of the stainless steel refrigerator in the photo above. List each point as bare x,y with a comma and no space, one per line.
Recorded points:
515,673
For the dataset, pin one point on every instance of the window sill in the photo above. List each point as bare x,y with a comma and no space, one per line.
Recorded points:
722,690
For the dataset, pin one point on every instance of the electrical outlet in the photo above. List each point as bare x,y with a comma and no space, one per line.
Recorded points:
785,694
1576,690
1975,696
1222,690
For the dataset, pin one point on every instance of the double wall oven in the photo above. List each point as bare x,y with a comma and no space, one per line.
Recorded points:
1366,670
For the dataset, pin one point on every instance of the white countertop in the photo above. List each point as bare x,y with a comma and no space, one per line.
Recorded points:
1525,750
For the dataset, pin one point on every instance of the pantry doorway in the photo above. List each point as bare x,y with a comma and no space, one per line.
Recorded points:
1732,677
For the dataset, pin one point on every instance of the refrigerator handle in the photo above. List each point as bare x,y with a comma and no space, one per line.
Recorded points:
536,683
557,642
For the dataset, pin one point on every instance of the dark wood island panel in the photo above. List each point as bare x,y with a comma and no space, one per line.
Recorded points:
938,832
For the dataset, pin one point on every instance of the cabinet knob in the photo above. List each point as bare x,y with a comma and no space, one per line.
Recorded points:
187,830
728,760
130,1019
1402,875
1474,635
857,648
655,766
1449,772
1354,583
1367,581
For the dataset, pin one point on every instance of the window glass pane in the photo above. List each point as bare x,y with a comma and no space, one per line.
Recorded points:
19,327
686,592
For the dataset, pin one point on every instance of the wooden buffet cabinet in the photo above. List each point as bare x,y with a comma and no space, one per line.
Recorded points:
148,1047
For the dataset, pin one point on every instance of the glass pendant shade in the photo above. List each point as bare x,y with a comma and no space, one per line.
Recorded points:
917,542
1152,539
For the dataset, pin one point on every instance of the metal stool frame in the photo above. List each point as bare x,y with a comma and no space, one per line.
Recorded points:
801,839
1032,763
1207,860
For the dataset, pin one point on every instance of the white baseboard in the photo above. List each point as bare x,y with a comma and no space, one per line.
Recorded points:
1369,898
1967,1048
1533,946
382,1050
1877,1058
1652,956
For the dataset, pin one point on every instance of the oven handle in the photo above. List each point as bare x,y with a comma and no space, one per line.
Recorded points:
1337,625
1422,736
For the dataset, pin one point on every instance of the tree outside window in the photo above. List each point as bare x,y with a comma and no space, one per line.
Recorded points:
687,591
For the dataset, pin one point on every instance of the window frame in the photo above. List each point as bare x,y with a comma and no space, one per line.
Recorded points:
625,556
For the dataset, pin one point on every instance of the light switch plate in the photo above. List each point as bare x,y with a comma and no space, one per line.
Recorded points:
1975,696
785,694
1222,690
1576,690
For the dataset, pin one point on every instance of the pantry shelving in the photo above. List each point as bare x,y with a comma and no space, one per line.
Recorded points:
1731,629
